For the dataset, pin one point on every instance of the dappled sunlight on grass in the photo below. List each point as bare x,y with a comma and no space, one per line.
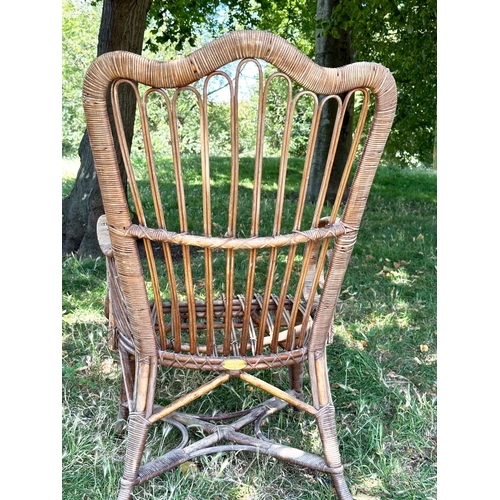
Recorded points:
89,317
400,277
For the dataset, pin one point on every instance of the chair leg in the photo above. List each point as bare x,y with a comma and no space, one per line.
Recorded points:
123,409
341,487
296,377
328,432
127,384
296,373
137,432
327,426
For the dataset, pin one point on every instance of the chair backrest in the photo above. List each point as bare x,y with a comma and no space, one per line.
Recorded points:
225,257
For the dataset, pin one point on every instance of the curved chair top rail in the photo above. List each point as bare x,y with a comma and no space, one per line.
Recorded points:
233,46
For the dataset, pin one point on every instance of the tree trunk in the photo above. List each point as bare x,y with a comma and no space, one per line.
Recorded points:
330,52
123,23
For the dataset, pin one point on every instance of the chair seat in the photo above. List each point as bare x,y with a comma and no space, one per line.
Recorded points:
181,355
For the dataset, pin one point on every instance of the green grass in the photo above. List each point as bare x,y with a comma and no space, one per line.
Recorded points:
382,370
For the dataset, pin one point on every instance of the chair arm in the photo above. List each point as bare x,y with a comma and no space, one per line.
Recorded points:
103,236
105,243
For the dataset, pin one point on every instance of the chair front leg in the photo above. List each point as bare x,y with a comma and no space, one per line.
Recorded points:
136,440
140,407
326,421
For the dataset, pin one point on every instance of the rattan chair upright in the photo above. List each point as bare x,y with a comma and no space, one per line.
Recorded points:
161,313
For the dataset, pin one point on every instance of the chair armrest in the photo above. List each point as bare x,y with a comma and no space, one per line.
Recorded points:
105,244
103,236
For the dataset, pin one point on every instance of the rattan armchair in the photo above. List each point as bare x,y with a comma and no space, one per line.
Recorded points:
161,314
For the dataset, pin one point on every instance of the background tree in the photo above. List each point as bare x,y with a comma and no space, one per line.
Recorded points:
122,27
399,35
330,52
403,37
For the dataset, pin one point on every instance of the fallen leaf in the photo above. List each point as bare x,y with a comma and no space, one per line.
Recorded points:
107,366
424,347
346,388
369,257
400,263
188,467
420,236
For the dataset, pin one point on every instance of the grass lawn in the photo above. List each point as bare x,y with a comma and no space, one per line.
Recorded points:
382,370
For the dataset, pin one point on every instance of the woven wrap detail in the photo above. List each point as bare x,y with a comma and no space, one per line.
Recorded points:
126,489
295,238
137,431
328,430
162,464
138,421
348,240
223,431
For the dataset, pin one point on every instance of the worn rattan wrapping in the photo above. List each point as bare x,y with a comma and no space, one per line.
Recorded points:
242,330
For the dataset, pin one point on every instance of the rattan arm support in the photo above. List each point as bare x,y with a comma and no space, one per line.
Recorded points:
297,237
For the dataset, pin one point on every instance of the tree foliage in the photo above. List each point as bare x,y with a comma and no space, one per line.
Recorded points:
402,36
80,25
179,23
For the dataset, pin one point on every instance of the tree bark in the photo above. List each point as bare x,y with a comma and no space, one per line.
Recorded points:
330,52
123,23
